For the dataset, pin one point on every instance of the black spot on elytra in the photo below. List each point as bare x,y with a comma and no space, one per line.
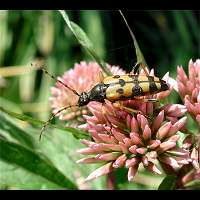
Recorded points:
120,90
152,84
137,90
116,76
122,82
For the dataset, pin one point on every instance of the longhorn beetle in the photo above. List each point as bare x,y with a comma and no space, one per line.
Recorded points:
115,88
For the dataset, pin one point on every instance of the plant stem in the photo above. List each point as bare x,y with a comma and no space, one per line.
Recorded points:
111,181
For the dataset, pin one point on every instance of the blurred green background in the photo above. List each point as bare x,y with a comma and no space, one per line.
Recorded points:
166,38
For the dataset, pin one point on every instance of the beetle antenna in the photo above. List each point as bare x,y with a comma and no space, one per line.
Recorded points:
51,117
56,79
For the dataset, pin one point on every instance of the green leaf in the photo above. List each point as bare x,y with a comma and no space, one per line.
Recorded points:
78,134
29,160
168,183
17,133
13,177
84,41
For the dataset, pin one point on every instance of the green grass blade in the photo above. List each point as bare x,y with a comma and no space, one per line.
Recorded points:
84,41
78,134
29,160
139,54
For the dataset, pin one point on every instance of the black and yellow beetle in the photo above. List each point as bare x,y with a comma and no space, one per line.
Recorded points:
123,87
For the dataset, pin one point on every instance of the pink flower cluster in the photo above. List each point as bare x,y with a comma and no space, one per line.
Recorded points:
189,88
123,140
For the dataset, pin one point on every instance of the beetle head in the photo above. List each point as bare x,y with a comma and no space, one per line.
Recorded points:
83,99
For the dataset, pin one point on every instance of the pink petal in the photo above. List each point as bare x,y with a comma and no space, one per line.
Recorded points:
179,152
120,161
166,146
173,120
90,119
147,132
194,154
158,121
132,149
83,127
119,136
107,138
115,121
108,156
195,164
145,161
175,110
187,143
98,115
87,142
182,74
128,121
170,161
105,147
135,138
173,138
144,122
182,161
152,155
105,169
124,148
132,172
134,125
87,151
127,142
153,168
163,130
132,162
88,160
95,136
154,144
141,150
177,126
181,89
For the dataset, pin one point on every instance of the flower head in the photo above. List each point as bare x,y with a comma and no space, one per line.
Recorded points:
189,88
191,172
124,140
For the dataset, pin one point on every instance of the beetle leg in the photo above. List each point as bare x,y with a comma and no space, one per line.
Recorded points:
120,105
136,68
150,100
